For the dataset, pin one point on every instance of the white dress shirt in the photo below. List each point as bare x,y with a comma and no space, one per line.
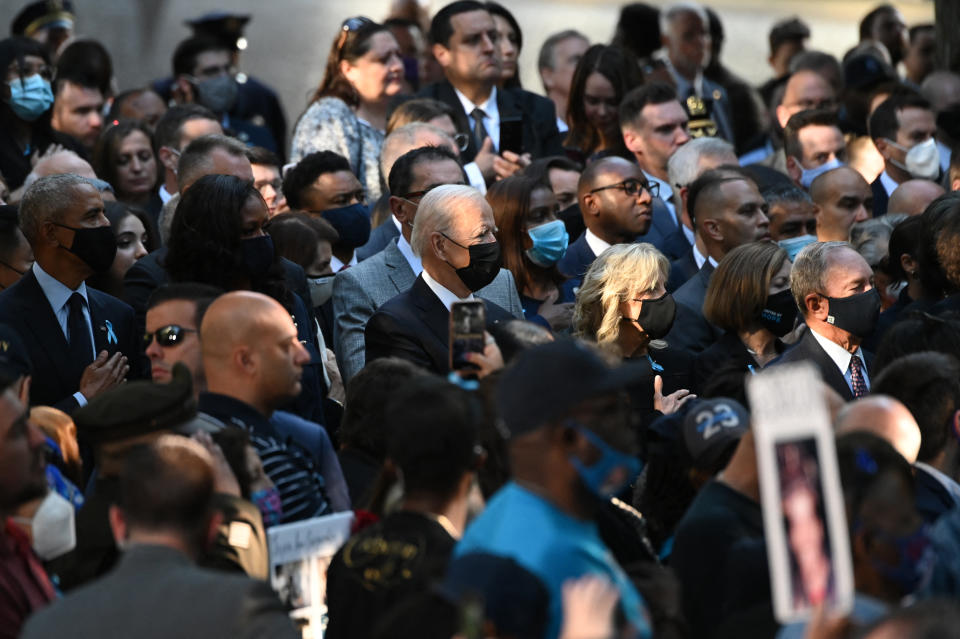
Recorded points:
491,122
164,194
666,194
338,266
841,357
447,297
596,245
889,184
701,259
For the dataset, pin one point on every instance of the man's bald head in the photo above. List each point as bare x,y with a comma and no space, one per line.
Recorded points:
235,320
914,196
885,417
60,163
841,198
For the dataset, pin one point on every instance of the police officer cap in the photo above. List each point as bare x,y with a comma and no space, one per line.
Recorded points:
43,15
138,408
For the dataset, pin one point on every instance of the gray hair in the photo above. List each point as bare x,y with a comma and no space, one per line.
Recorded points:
671,13
437,210
46,200
403,139
683,165
545,59
871,238
809,272
195,158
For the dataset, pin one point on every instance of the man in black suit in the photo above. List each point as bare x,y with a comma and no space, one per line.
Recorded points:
464,39
81,341
833,287
616,204
453,235
902,129
729,211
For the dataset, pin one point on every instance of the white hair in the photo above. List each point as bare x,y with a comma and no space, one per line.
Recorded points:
671,13
46,200
437,211
683,165
406,138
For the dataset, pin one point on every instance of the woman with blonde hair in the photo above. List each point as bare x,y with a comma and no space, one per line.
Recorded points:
749,297
623,306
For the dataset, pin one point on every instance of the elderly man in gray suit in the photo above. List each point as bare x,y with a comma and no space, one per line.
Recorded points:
359,291
163,519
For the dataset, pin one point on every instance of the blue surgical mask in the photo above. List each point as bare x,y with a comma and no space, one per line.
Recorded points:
793,245
808,175
30,97
352,224
610,474
270,505
549,243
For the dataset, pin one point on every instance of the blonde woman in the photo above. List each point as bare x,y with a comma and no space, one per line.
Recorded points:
623,306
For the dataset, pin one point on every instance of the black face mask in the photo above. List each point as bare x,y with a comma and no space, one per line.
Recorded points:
656,316
779,313
257,254
96,246
856,314
483,267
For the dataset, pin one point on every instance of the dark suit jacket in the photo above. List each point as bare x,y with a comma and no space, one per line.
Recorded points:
26,310
577,259
808,349
681,270
414,326
932,498
379,238
880,198
728,351
691,331
540,135
156,591
663,230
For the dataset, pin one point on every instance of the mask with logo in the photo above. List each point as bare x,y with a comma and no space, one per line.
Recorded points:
483,267
96,246
257,254
270,505
352,224
809,175
30,97
52,527
856,314
922,161
793,245
656,316
779,313
321,289
549,243
611,473
217,94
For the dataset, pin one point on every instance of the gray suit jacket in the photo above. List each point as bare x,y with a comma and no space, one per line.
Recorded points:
156,592
360,290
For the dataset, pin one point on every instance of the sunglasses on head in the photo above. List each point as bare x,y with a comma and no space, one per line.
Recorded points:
350,24
166,335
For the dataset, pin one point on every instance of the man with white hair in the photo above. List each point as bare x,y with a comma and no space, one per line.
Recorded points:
453,235
685,35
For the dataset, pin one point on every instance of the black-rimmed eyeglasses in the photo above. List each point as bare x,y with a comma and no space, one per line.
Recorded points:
632,186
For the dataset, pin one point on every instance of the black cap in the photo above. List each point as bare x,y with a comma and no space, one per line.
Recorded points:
711,429
42,15
547,381
223,26
138,408
787,30
14,358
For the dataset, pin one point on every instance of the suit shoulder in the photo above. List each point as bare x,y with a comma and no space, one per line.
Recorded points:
113,303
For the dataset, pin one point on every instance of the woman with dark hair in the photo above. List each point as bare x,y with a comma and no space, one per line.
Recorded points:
125,157
532,240
902,266
135,238
26,101
348,112
603,76
510,44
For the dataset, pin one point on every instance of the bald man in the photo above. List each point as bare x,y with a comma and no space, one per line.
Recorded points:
57,163
253,362
914,196
617,207
886,418
841,198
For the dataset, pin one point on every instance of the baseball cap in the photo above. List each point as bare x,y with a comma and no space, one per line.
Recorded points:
711,428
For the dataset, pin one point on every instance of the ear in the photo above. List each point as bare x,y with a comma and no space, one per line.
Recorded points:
346,69
213,528
793,169
590,204
782,116
909,265
118,525
168,158
396,207
883,147
632,141
48,234
816,306
244,360
436,242
442,54
955,185
712,230
546,76
24,392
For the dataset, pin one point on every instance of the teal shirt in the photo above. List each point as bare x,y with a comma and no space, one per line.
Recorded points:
554,546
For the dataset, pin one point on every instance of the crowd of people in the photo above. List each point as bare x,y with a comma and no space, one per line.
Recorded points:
213,324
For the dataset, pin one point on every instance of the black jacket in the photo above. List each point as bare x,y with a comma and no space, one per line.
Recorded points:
808,349
691,331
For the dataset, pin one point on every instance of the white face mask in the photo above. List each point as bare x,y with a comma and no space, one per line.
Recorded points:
809,175
922,161
53,527
321,289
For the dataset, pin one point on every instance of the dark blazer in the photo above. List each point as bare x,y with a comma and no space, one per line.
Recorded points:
572,218
414,326
931,497
675,244
155,592
577,259
681,270
691,331
540,135
808,349
880,198
728,351
379,238
662,230
26,310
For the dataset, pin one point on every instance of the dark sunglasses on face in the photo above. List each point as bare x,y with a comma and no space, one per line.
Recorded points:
632,186
166,336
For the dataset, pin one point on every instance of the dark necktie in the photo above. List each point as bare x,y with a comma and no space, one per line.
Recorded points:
81,350
479,131
857,381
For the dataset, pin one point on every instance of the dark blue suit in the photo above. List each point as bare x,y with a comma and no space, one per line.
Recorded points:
577,259
931,497
663,231
880,198
379,238
25,308
681,270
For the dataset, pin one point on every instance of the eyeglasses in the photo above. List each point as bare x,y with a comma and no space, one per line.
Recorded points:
350,24
166,335
417,195
462,140
632,186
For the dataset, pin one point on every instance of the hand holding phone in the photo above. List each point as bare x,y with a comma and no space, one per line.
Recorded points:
467,323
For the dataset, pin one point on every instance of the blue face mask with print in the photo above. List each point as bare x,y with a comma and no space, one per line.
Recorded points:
793,245
549,243
352,224
611,473
30,97
270,505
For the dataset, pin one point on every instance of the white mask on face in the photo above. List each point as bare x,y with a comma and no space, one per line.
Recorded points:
52,527
922,161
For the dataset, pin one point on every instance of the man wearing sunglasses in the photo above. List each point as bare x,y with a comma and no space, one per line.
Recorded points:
616,203
173,320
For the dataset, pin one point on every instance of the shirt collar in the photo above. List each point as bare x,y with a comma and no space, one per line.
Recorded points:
407,251
447,297
596,245
700,258
840,356
336,264
889,184
57,293
489,107
164,194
